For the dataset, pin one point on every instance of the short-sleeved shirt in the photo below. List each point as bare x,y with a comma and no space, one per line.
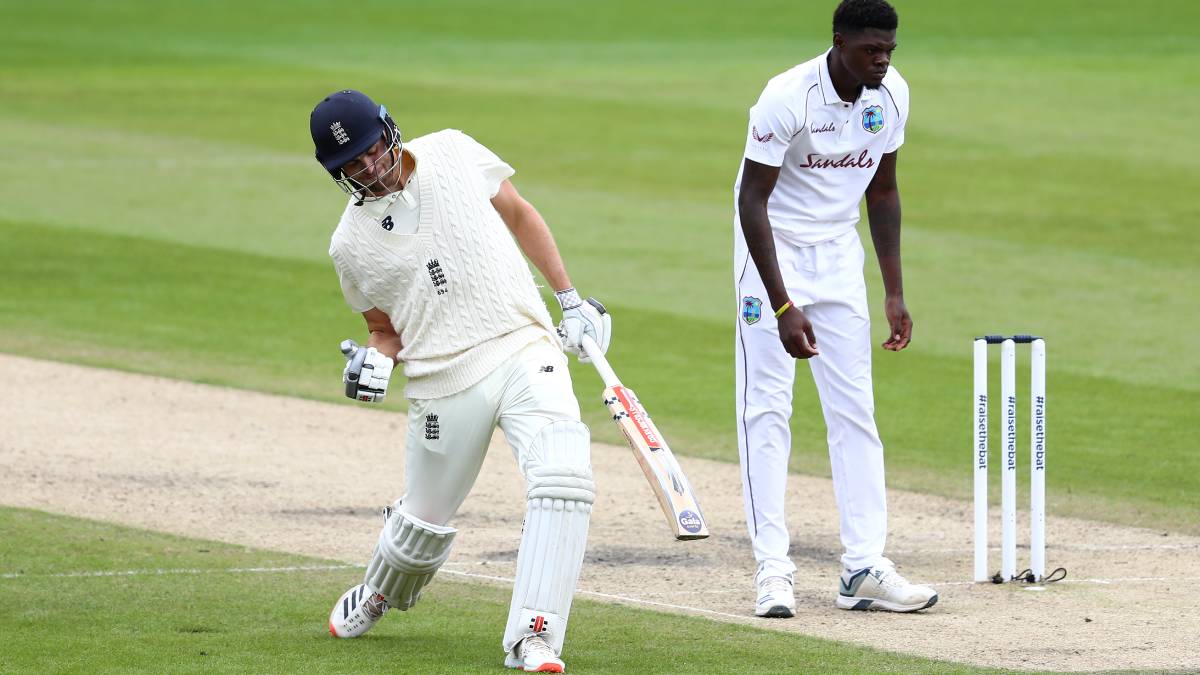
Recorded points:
404,206
827,150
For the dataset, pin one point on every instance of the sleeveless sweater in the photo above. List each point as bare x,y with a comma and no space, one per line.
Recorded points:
458,291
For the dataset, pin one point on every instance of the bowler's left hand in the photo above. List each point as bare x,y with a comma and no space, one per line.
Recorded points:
899,324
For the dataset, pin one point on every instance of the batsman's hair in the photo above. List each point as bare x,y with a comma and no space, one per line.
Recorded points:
854,16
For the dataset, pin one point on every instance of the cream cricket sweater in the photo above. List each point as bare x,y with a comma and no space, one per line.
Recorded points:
458,291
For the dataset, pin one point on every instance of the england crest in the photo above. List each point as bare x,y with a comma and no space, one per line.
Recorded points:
751,310
872,119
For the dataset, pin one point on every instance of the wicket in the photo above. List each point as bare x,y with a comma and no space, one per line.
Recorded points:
1037,455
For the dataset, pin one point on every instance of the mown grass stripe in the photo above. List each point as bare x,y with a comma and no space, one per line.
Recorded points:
164,572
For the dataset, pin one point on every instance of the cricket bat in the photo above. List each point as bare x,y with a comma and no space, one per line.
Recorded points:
670,485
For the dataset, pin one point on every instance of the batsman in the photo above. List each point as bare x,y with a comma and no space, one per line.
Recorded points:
429,250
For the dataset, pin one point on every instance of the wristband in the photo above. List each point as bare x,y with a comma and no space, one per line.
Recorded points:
779,312
568,298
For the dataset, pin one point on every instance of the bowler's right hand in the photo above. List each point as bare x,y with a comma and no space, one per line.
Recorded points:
367,372
796,334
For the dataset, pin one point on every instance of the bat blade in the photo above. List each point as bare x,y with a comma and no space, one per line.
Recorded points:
658,463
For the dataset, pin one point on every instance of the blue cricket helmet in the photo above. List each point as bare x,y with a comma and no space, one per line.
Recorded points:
345,125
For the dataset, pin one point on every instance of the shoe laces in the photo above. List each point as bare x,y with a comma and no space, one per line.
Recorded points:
535,645
774,585
375,606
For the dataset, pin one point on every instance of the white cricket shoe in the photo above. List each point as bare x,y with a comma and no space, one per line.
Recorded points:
882,587
356,612
776,600
533,655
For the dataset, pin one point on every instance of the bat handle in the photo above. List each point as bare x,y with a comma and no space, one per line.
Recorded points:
597,356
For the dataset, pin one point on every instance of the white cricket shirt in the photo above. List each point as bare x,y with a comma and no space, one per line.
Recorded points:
827,149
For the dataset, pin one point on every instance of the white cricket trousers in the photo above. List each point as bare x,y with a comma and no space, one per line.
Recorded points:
826,281
448,438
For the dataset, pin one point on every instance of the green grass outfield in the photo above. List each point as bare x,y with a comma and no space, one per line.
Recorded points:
84,596
162,212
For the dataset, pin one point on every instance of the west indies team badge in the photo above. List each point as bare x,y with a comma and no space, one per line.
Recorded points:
873,119
751,310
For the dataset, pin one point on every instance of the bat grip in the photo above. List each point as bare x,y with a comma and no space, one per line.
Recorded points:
594,353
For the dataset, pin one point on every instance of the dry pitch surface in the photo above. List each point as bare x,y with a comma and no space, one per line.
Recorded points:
297,476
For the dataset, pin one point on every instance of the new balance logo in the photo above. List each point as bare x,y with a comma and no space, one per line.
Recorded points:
432,430
546,369
761,139
387,223
437,276
339,134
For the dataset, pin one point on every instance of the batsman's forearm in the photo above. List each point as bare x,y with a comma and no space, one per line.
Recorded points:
756,227
534,237
883,212
381,334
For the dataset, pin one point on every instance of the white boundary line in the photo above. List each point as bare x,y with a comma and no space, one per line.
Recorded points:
610,596
1061,547
1103,582
640,601
746,619
322,568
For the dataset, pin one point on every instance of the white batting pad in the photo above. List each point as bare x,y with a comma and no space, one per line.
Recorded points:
560,492
408,554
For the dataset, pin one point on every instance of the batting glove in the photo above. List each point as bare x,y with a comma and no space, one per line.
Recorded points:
582,318
367,372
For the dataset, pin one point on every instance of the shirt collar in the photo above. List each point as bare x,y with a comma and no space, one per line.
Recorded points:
828,93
